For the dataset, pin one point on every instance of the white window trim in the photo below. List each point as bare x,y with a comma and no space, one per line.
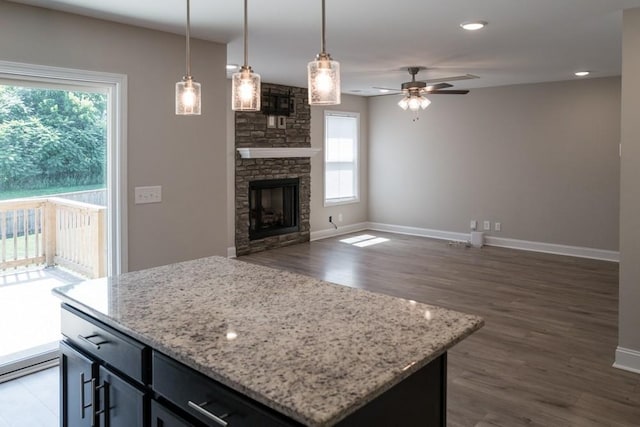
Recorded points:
345,200
115,86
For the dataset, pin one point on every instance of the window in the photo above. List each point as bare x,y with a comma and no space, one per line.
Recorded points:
341,157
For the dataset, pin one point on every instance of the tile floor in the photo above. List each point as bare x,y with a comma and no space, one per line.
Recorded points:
31,401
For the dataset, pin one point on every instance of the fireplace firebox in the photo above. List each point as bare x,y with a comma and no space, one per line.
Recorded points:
273,207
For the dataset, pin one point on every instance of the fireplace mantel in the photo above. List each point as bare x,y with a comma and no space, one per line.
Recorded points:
277,152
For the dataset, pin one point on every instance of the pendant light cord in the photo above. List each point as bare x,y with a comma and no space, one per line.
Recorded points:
246,44
322,32
188,37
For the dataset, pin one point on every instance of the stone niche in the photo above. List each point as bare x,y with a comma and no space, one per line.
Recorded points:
253,130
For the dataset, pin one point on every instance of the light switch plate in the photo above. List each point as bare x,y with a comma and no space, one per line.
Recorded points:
487,225
152,194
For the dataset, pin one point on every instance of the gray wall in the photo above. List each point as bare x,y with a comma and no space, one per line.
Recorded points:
352,213
542,159
629,324
186,155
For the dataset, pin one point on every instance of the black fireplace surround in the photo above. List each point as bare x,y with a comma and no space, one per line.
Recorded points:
273,207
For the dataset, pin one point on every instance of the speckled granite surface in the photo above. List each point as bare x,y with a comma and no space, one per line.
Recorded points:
312,350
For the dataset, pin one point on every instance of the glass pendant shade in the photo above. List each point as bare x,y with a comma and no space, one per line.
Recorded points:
324,81
188,97
245,89
404,103
424,103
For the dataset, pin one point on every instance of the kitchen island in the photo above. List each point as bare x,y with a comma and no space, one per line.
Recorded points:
277,348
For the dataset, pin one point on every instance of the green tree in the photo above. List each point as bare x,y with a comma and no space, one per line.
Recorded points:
51,137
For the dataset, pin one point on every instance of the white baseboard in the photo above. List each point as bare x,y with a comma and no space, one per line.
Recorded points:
345,229
415,231
552,248
627,359
231,252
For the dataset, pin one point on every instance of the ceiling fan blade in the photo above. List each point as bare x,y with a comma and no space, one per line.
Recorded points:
450,78
438,86
387,88
448,92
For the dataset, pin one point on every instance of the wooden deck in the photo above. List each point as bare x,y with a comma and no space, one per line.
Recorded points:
29,313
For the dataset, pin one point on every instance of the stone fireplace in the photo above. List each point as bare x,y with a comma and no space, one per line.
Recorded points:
272,171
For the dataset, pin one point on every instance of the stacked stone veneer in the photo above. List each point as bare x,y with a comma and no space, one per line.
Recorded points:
252,131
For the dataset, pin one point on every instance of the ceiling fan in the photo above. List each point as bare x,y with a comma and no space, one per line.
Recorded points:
415,90
432,87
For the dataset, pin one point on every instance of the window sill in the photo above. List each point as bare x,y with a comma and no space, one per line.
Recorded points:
345,201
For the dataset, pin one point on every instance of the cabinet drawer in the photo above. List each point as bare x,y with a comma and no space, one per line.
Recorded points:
117,350
187,389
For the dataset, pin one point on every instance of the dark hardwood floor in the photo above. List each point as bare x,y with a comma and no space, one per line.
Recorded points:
544,356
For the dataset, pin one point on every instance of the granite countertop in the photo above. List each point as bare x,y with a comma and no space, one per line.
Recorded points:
312,350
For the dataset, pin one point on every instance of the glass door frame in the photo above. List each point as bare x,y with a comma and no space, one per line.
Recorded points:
115,85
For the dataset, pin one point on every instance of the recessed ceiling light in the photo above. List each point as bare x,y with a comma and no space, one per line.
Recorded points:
473,25
582,73
384,90
232,67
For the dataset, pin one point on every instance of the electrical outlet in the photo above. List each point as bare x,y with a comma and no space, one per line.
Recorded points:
473,225
487,225
151,194
498,226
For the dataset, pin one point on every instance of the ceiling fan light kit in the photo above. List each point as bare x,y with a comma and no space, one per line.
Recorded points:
323,75
245,84
414,102
188,99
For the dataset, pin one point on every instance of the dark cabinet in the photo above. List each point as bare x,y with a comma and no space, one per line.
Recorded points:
103,374
78,375
119,404
94,396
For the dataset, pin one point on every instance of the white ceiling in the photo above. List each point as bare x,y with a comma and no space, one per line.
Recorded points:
526,40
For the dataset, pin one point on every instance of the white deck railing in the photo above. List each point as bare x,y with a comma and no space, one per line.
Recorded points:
53,231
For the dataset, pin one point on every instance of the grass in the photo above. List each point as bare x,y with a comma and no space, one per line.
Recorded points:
20,194
10,254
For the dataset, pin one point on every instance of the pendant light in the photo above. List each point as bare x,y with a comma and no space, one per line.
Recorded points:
188,91
245,87
324,75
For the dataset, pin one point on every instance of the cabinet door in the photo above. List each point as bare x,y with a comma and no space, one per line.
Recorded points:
119,404
164,417
77,372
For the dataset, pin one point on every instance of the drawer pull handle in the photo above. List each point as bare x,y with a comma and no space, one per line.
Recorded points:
95,345
217,418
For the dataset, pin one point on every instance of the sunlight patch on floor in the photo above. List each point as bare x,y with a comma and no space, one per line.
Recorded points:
364,240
